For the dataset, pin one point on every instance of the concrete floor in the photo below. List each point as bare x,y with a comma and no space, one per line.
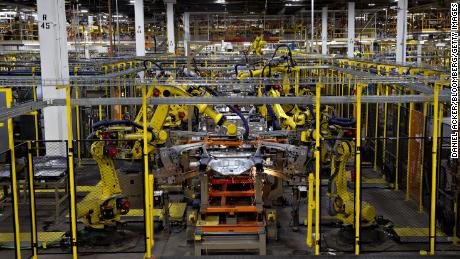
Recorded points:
388,203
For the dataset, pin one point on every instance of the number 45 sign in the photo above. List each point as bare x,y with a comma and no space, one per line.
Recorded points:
45,25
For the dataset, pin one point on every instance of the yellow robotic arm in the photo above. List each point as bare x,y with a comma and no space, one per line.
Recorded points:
105,203
341,200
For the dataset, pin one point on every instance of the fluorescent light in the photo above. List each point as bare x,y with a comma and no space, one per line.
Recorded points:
371,4
83,11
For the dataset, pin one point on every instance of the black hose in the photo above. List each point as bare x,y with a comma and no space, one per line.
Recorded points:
106,123
155,63
270,111
289,53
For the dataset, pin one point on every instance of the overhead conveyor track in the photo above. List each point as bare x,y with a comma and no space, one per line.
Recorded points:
25,108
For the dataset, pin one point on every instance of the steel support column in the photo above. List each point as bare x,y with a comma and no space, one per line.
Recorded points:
186,32
419,52
170,25
401,32
312,25
139,23
324,31
351,30
54,67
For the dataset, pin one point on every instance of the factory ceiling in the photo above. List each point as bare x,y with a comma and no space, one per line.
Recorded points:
269,7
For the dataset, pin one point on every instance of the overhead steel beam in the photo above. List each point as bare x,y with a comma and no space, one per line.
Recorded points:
21,109
25,108
254,100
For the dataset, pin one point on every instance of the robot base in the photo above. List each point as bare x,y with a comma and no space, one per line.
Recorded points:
113,239
343,239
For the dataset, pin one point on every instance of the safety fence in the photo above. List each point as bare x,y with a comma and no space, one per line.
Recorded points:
42,209
107,171
395,209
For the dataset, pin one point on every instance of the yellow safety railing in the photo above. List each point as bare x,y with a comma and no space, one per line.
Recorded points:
73,209
14,185
434,153
33,214
317,169
358,170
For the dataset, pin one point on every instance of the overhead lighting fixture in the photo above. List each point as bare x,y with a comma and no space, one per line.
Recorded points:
83,11
371,4
131,1
220,2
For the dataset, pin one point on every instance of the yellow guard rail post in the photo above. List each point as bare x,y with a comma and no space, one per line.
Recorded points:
33,220
358,169
397,145
77,118
148,237
35,113
385,117
311,206
376,130
411,110
434,164
14,185
425,109
73,209
317,169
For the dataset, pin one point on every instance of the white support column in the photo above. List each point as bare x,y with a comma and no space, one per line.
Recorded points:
312,25
351,30
186,32
170,25
401,32
140,34
88,36
54,62
419,52
324,31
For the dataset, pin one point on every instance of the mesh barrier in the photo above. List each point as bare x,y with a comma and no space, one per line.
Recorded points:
24,198
7,244
400,223
52,198
106,180
447,219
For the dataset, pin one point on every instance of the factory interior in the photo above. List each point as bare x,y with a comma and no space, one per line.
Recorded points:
228,129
